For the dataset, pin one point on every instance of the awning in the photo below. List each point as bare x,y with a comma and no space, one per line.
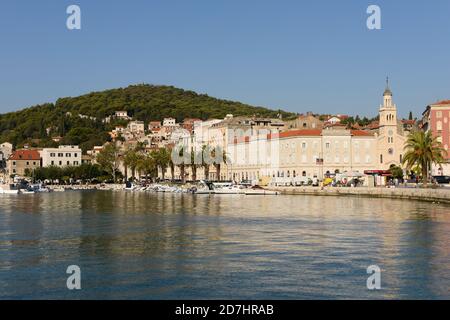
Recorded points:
378,172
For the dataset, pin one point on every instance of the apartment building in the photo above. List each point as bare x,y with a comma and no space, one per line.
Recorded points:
61,156
436,118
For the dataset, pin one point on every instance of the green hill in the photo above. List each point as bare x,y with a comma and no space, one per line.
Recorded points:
36,125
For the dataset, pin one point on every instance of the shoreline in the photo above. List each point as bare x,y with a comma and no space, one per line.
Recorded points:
419,194
441,195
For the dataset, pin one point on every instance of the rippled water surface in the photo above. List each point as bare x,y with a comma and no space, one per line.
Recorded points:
174,246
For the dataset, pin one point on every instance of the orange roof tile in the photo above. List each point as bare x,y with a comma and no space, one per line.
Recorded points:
442,102
361,133
296,133
25,155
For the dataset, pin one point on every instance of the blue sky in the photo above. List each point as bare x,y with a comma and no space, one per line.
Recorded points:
293,55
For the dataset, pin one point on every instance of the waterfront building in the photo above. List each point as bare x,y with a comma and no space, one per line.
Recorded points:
61,156
436,118
258,148
21,161
306,153
6,150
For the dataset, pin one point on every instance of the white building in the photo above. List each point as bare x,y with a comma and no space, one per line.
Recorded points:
6,149
169,122
61,157
136,127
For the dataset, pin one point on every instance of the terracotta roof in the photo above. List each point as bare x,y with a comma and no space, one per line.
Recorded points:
25,155
441,102
296,133
361,133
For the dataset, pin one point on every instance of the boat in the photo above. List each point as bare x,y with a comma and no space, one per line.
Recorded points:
26,191
9,189
257,190
229,189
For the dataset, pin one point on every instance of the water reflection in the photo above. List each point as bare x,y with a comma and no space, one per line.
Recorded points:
138,245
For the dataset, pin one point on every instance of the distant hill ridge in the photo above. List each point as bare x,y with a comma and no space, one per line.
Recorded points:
36,125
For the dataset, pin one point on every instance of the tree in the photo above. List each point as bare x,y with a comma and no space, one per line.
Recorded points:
108,159
205,164
422,149
396,171
162,159
220,157
195,157
131,159
147,165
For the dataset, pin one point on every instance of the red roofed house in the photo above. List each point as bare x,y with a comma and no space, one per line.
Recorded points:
436,118
21,160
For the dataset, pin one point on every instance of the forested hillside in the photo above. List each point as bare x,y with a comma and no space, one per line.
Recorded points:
38,124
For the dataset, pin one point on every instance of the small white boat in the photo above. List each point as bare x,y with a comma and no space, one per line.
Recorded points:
25,191
9,189
232,189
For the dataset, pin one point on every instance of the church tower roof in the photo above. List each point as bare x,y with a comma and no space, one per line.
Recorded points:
387,91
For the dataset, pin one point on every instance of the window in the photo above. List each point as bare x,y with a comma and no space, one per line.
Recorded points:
53,163
14,163
439,126
381,158
75,155
52,154
60,154
75,163
327,145
438,114
28,163
303,145
68,163
68,155
60,163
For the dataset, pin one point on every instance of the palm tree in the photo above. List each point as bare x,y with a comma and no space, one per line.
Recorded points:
181,165
422,149
194,162
205,164
162,160
131,160
147,165
218,162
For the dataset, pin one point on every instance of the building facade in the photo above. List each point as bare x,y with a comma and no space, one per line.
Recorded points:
391,136
62,156
436,118
21,161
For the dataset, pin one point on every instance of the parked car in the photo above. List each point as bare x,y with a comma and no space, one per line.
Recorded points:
442,179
